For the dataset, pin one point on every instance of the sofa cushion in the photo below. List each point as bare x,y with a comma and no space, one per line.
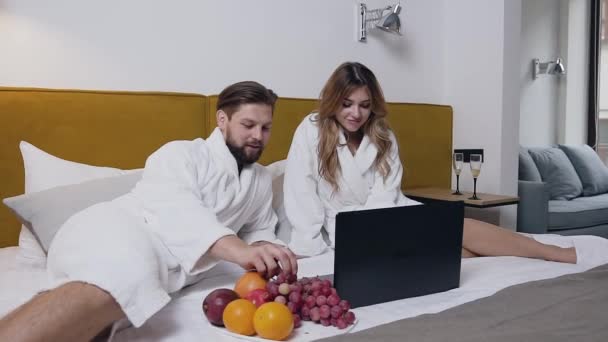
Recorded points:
527,169
579,212
557,171
589,167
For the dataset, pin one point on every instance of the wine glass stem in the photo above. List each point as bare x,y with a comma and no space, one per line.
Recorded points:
475,187
457,183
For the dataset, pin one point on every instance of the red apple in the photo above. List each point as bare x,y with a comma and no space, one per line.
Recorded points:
215,303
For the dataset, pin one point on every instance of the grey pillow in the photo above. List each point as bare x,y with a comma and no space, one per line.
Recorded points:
557,171
527,169
44,212
592,172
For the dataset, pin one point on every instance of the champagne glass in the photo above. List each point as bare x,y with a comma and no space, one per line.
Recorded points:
475,163
457,161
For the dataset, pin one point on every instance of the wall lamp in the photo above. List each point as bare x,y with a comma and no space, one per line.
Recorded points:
550,68
386,19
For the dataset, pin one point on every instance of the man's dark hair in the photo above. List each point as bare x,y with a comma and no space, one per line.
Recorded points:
231,98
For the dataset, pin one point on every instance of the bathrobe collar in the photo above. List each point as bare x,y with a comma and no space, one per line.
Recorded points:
354,167
217,142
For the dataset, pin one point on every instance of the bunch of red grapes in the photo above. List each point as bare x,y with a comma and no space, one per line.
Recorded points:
311,299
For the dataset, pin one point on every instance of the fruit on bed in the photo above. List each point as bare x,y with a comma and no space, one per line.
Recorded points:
273,308
238,317
311,299
273,321
248,282
259,297
215,303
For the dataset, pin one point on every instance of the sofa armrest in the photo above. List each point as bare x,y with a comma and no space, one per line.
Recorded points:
533,207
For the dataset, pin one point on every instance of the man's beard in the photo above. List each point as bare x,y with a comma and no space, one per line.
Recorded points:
240,154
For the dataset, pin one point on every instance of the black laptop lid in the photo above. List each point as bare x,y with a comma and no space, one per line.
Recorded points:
393,253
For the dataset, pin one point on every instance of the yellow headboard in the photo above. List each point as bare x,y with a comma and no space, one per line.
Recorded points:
288,113
120,129
424,133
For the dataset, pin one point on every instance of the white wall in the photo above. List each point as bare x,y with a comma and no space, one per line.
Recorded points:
603,96
553,109
511,110
572,124
202,46
539,98
482,48
454,52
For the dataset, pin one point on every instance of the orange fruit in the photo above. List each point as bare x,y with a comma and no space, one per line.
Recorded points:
238,317
249,282
273,321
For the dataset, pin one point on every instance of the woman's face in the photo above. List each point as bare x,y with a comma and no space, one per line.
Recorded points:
355,110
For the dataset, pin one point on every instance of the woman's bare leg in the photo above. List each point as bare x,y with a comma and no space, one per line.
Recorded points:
468,254
486,239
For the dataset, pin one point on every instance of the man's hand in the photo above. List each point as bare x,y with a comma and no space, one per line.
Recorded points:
268,258
265,257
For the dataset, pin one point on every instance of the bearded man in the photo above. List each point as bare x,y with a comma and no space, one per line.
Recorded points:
198,202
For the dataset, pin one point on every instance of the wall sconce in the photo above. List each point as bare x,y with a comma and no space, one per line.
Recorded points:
377,18
550,68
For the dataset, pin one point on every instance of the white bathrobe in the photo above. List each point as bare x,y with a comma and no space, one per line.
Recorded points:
191,195
310,201
154,240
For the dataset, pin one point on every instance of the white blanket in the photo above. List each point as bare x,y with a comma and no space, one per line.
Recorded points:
18,281
183,320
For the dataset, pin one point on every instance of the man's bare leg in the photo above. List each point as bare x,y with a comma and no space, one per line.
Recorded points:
73,312
486,239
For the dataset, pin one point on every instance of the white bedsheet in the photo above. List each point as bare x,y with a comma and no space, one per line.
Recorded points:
18,281
183,320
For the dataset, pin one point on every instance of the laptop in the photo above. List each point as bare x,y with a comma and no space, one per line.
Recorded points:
388,254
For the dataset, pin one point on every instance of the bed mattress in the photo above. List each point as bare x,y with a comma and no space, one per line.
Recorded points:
183,320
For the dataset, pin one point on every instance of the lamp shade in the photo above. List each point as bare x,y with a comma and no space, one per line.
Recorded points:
559,68
391,22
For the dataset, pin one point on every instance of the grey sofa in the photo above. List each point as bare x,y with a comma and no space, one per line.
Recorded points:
562,190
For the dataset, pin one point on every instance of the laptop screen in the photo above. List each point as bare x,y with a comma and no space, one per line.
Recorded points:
400,252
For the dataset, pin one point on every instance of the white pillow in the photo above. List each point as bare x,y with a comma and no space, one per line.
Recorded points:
44,212
277,170
44,171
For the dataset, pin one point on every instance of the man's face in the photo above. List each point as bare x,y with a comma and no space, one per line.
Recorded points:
247,132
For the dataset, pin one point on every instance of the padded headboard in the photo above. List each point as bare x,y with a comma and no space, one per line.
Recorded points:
105,128
288,113
424,133
120,129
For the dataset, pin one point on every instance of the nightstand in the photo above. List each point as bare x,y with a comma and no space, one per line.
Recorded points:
485,201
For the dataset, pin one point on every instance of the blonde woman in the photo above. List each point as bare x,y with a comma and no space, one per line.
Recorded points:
345,157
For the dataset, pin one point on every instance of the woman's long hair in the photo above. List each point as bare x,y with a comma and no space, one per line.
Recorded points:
345,79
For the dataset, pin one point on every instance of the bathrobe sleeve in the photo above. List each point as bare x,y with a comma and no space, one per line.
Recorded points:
173,204
302,203
387,192
263,225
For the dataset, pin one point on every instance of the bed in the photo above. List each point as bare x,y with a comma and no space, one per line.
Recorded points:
116,131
